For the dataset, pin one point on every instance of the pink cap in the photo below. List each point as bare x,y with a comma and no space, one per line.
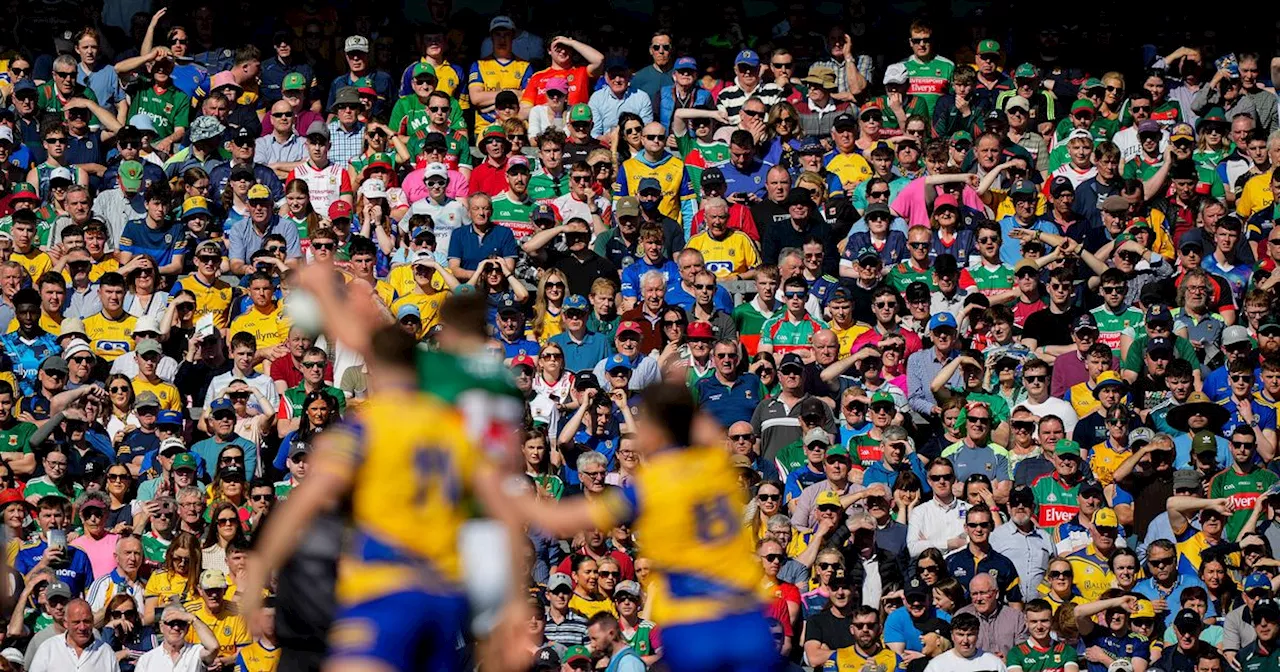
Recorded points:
945,200
557,84
224,78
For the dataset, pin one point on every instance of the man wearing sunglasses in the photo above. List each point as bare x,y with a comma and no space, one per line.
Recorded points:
928,74
747,83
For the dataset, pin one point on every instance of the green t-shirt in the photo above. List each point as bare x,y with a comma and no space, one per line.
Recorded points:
409,115
904,274
294,396
1056,502
993,279
1243,490
699,156
929,80
17,439
43,487
1110,325
1030,659
513,214
1182,348
543,187
154,548
1206,176
168,111
47,98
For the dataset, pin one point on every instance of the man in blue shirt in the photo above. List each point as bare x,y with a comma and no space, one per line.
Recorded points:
359,66
69,564
30,344
978,557
615,97
510,332
1164,583
582,348
903,628
744,175
223,413
469,246
154,235
728,395
1024,196
247,236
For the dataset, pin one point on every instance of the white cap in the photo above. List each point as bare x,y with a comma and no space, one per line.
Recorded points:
12,655
373,188
6,134
61,173
423,257
421,207
895,74
436,169
76,346
147,323
172,442
1080,134
1017,101
356,43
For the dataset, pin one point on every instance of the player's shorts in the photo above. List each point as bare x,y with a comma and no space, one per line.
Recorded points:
408,630
739,643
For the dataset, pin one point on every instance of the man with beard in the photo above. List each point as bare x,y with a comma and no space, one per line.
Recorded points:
1023,542
869,566
866,649
1147,474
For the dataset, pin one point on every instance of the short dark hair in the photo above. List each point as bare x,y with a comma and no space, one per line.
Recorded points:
964,622
742,138
111,279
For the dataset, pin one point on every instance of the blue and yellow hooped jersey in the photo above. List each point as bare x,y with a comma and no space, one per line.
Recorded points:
411,459
693,531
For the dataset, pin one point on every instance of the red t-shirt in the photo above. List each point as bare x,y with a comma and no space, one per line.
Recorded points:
485,178
777,607
283,369
535,92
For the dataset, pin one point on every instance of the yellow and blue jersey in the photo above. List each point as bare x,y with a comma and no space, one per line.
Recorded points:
215,299
110,337
849,169
1092,573
678,196
687,505
410,455
269,329
849,660
258,657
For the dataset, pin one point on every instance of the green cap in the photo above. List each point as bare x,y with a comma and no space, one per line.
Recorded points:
580,112
1092,83
1204,441
183,461
294,81
988,47
422,68
838,450
1082,104
493,131
961,135
1066,447
1026,70
1213,114
576,652
130,175
883,397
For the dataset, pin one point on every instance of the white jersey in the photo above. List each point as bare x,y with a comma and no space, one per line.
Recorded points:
570,207
325,184
1077,178
1129,145
446,218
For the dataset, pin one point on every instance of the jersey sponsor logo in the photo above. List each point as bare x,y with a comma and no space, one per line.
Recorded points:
1051,515
109,347
1243,501
716,267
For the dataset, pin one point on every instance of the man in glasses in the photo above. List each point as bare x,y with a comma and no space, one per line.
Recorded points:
747,84
263,220
924,365
1164,585
938,522
63,86
1091,547
314,364
928,74
360,66
656,168
276,70
977,454
244,163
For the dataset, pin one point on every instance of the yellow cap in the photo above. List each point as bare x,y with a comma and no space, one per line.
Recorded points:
827,497
1145,609
1105,517
258,191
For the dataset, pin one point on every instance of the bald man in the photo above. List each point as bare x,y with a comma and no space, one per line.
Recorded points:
1000,626
78,648
282,149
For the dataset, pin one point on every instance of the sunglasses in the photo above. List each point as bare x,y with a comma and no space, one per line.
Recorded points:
766,497
979,526
1060,574
940,478
774,557
755,114
126,613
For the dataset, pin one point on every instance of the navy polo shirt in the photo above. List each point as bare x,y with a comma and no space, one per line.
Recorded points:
964,567
470,248
730,403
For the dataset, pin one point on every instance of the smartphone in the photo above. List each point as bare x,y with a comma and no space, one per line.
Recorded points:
58,540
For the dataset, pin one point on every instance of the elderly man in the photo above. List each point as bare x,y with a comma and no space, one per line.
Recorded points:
644,368
1023,542
835,468
729,395
122,579
175,651
78,649
1000,626
648,312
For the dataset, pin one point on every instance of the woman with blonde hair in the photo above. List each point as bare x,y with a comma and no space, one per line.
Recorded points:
178,577
815,184
1113,98
517,131
783,134
552,383
552,290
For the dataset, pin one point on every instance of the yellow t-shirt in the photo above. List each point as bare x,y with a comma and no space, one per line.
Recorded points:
230,628
1105,460
50,323
109,337
258,657
167,393
269,329
212,299
162,585
107,265
35,261
1082,399
735,254
428,305
590,608
848,336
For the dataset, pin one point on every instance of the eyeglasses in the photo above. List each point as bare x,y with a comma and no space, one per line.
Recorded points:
927,568
1243,444
766,497
755,114
980,418
177,625
1241,378
878,193
921,40
1160,562
918,246
631,130
886,304
592,474
117,477
209,258
654,136
863,626
1036,379
262,497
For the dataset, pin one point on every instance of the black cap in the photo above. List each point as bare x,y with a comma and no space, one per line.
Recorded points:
713,176
846,120
242,173
1183,170
1188,620
1061,185
243,134
915,587
917,291
1093,488
946,264
1022,496
546,659
586,380
839,578
1267,609
799,196
435,141
506,99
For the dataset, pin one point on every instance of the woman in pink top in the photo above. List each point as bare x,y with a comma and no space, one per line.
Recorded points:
96,542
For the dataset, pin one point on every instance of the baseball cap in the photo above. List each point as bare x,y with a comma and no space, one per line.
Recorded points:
1204,441
988,47
501,23
1105,517
628,206
1022,188
1145,610
1182,132
616,362
1016,101
146,399
867,253
882,397
1160,343
791,360
648,183
845,120
172,445
435,169
57,588
339,210
895,74
1269,322
559,580
222,404
826,498
580,112
557,84
147,346
877,209
576,652
259,192
629,325
697,330
747,57
1149,126
817,435
356,43
1108,379
574,302
524,360
517,164
1140,437
1026,264
55,363
628,588
294,81
1061,185
1234,335
1158,312
1066,447
713,175
1026,71
1022,496
544,211
942,320
318,128
407,310
24,190
212,579
1268,609
130,173
75,347
1188,620
195,205
686,63
1257,580
184,461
